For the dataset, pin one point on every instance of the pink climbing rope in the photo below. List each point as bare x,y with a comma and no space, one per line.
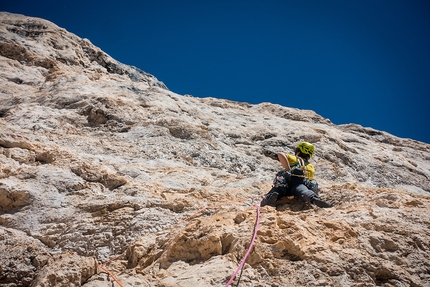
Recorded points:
257,222
102,266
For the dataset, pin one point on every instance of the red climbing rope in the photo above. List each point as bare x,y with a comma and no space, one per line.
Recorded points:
113,259
257,222
203,209
111,275
102,266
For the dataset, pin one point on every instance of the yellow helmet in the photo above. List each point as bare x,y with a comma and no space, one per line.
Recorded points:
306,148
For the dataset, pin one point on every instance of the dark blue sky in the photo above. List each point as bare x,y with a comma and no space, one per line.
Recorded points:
357,61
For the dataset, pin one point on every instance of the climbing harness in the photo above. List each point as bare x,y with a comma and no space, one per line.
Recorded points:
282,178
300,166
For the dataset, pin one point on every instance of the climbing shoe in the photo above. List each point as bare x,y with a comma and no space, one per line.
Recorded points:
270,199
320,203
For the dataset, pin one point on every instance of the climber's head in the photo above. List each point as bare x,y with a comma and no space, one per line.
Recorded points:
305,150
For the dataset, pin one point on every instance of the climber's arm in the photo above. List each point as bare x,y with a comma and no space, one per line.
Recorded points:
284,161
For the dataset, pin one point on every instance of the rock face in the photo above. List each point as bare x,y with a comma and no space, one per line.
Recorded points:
107,178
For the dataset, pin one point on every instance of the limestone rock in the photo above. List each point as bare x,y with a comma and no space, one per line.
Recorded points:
107,176
66,270
23,257
13,197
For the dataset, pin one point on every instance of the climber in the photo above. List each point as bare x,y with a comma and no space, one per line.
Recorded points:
296,179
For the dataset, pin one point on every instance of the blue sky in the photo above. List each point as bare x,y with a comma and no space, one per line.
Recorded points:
357,61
